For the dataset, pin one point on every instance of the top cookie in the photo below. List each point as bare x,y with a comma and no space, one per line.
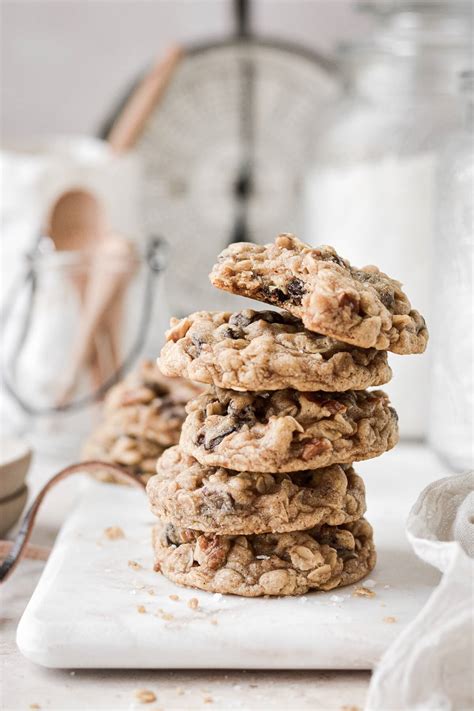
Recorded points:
266,350
363,307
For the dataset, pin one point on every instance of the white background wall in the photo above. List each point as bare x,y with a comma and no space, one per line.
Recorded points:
64,62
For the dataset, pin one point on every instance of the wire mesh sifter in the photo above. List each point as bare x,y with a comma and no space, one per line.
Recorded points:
226,150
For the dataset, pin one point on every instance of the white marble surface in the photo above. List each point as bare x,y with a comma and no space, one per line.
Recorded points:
25,683
91,609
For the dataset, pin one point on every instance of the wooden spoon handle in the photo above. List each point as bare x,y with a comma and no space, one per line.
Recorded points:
130,123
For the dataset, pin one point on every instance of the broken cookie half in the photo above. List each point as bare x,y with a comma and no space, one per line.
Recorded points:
363,307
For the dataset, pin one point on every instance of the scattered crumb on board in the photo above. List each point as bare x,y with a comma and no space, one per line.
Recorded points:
193,603
145,696
363,592
167,616
113,533
390,620
134,565
141,609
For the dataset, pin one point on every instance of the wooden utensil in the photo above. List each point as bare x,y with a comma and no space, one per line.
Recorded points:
131,121
77,224
105,289
114,262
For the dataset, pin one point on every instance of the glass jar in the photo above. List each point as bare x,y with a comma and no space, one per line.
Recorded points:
370,193
74,323
452,391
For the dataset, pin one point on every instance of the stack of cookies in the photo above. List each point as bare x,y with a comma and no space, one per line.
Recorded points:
261,497
142,416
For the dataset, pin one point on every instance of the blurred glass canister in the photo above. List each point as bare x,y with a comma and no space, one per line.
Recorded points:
47,295
370,192
452,392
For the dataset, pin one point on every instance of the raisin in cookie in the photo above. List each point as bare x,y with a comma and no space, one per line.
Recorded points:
213,499
363,307
321,558
266,350
287,430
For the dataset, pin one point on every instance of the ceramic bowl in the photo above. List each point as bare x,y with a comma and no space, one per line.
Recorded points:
11,508
15,459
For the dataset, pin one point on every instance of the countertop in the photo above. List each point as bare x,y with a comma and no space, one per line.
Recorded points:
27,686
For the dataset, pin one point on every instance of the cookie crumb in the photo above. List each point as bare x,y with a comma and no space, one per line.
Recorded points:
193,603
175,598
141,609
179,691
350,708
35,706
213,621
151,591
208,700
134,565
145,696
390,620
363,592
167,616
113,533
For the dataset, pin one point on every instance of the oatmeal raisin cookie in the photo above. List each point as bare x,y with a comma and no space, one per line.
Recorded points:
321,558
364,307
287,430
266,350
213,499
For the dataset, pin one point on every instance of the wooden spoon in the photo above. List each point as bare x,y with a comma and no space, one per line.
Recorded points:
77,224
114,262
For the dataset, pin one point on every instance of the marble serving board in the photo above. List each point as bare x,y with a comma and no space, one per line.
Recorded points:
92,609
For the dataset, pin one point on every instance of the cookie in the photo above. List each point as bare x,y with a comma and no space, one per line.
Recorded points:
213,499
266,350
143,414
322,558
287,430
148,405
363,307
137,455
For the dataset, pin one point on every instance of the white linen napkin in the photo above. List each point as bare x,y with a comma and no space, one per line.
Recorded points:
429,667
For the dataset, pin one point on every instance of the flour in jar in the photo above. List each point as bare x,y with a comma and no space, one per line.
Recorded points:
382,212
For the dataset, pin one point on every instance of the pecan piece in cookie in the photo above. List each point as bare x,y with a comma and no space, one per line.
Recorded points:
363,307
214,499
269,563
287,430
266,350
